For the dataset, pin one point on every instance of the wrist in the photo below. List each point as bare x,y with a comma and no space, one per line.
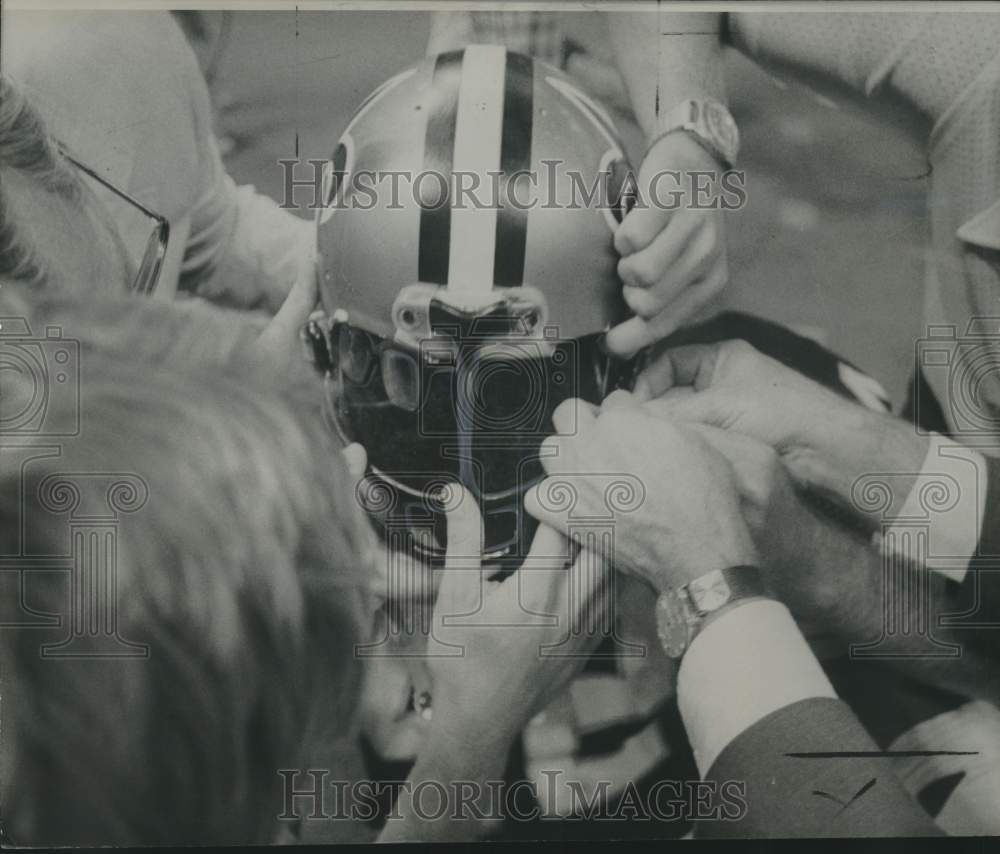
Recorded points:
736,549
683,614
708,123
678,149
849,441
876,442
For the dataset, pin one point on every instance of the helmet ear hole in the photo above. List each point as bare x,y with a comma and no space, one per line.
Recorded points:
620,187
401,378
621,190
339,161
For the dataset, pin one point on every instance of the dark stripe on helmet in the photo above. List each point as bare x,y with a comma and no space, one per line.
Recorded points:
439,150
515,156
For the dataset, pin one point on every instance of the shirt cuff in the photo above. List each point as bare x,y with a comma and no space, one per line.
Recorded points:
946,504
744,665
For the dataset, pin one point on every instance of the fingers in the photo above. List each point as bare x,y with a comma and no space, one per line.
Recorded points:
571,418
465,529
743,452
547,516
549,549
648,296
356,460
690,365
461,584
590,576
641,226
572,415
639,332
674,252
590,579
619,399
537,577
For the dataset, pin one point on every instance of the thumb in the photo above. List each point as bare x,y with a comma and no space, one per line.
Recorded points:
619,399
280,336
356,459
689,365
462,580
550,553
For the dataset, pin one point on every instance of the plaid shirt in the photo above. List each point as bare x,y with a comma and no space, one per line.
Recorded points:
536,34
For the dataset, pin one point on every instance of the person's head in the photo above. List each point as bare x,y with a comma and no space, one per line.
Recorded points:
53,228
238,563
469,298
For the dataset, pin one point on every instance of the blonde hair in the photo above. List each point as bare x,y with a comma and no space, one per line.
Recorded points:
241,574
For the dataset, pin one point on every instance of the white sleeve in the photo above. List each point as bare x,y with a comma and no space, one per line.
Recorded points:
747,663
946,503
243,251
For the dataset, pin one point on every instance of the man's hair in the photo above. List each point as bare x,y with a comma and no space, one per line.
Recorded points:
27,148
241,573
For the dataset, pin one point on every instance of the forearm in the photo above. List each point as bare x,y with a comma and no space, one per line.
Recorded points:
243,250
852,455
750,693
666,58
922,62
882,603
797,778
465,761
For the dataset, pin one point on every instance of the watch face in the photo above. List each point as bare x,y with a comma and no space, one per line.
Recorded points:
671,624
721,126
710,594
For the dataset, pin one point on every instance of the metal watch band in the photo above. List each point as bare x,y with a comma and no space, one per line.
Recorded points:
708,122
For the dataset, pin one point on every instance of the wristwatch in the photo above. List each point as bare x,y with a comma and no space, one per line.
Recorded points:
708,123
681,613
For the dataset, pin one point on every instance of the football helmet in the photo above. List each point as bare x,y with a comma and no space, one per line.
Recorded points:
467,273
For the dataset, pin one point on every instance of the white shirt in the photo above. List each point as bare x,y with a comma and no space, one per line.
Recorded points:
747,663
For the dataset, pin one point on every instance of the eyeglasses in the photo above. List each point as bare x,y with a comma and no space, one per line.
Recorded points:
144,233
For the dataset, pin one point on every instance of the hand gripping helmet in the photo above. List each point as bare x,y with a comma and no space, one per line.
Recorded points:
467,273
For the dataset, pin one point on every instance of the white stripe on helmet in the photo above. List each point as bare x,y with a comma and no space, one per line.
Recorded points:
478,137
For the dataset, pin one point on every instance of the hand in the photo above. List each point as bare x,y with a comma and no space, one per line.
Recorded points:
825,441
689,521
600,78
356,459
757,471
397,572
814,564
503,650
279,341
673,261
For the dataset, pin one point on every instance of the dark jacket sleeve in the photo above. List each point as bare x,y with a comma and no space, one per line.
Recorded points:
800,776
